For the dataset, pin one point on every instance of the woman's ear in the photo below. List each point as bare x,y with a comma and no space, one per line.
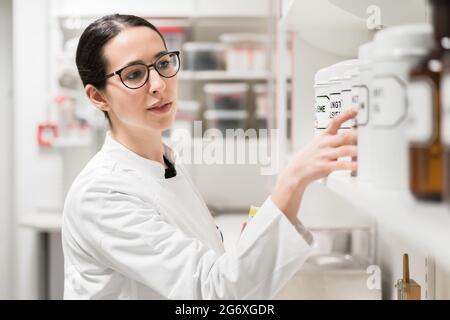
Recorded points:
97,97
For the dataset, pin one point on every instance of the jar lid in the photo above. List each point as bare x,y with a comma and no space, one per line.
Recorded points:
341,70
405,40
322,76
366,50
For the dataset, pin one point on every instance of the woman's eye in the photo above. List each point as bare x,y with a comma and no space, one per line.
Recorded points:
163,64
134,75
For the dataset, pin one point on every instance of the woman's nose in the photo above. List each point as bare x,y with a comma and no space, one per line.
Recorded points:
157,83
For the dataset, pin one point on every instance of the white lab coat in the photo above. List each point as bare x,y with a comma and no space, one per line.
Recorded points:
129,233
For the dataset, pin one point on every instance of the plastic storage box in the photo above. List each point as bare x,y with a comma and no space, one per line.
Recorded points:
174,36
226,119
203,56
245,52
226,96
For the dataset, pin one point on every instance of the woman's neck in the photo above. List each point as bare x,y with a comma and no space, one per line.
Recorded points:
148,145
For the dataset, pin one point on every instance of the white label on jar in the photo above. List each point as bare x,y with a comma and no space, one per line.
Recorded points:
419,126
445,122
322,112
388,105
346,97
336,107
361,100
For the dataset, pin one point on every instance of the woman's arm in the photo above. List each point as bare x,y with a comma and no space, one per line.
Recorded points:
316,160
131,237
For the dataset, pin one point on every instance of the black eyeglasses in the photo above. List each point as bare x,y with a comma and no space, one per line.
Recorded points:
136,75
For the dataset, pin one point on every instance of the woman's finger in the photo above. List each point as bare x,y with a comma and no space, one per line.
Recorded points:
344,165
342,151
340,139
337,121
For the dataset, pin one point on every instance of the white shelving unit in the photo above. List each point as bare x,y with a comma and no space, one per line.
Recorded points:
423,224
325,32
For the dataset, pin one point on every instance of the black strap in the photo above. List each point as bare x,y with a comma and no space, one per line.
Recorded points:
170,171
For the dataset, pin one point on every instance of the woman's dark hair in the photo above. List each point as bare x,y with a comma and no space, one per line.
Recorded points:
90,59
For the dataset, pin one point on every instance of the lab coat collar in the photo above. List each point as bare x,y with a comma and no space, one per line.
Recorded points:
121,153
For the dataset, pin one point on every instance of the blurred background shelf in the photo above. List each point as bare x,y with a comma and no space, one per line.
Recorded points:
222,75
42,222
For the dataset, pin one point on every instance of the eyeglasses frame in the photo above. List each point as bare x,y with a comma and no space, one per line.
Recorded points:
152,65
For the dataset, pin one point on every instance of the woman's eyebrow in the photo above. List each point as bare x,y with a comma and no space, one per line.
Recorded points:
156,56
159,54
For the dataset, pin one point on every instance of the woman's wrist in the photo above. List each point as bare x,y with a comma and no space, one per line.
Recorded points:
288,193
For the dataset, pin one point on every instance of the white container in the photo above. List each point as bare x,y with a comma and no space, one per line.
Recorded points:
200,56
350,70
340,90
226,96
340,97
226,119
245,51
262,105
174,37
334,92
397,50
322,100
361,91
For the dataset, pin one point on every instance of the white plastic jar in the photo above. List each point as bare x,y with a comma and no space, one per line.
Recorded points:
361,97
397,50
340,97
322,100
350,73
341,90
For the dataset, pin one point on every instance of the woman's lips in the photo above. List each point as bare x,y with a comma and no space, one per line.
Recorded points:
163,109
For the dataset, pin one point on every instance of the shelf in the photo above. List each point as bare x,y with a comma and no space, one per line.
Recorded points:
326,26
222,75
320,14
393,12
43,222
423,224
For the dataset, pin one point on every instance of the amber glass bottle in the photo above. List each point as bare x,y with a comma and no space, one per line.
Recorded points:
445,123
426,156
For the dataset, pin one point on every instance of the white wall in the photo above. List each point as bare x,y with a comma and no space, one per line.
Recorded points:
37,183
5,149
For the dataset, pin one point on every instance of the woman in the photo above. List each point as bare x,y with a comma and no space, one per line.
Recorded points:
134,225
